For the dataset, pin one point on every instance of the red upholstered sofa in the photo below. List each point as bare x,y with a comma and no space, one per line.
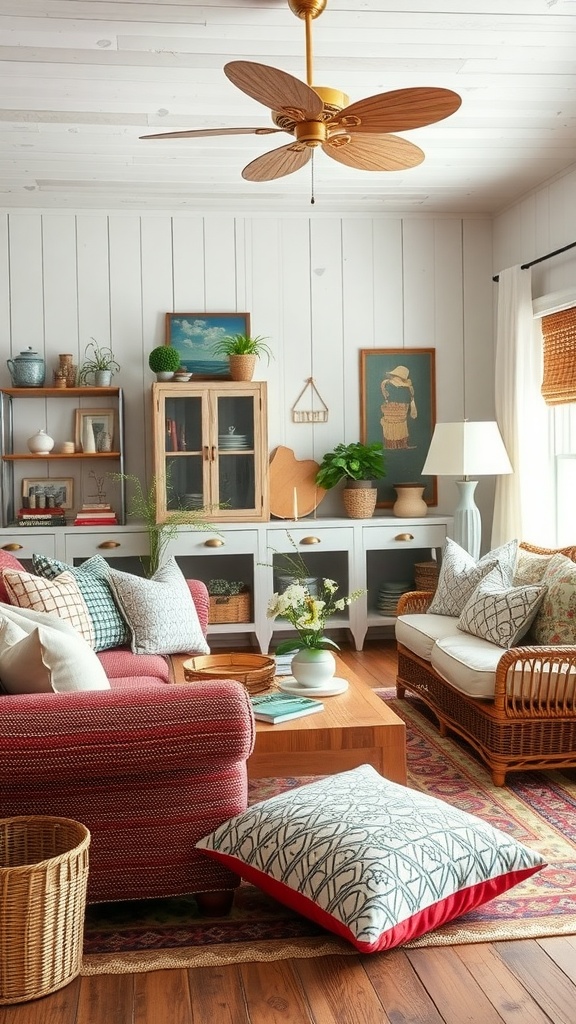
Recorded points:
148,767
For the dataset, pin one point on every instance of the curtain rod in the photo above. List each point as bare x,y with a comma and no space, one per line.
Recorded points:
525,266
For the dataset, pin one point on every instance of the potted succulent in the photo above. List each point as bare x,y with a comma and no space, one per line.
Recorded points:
242,351
359,465
100,363
164,361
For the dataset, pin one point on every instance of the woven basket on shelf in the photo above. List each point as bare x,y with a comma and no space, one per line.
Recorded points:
254,671
43,879
229,608
359,502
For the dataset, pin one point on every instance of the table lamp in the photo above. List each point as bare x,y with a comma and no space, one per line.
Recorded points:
467,449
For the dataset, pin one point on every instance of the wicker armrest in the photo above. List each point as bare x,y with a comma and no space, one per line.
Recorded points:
536,682
414,601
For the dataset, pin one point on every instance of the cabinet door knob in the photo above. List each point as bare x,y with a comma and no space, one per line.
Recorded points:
12,547
404,536
214,542
310,540
107,544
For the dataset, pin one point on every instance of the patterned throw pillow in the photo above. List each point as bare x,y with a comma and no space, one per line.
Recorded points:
530,567
160,612
60,597
110,629
46,660
372,861
460,575
555,622
500,613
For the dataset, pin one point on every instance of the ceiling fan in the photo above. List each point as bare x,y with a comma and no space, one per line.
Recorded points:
356,135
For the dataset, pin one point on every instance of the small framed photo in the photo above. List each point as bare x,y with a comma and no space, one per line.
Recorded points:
195,334
101,424
398,408
62,490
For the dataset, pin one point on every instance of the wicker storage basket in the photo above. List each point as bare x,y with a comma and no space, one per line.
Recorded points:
359,502
254,671
43,879
229,608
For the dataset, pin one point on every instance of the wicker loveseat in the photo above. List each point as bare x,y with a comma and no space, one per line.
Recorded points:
529,722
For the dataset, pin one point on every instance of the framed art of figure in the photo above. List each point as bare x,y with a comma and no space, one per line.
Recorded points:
398,408
194,335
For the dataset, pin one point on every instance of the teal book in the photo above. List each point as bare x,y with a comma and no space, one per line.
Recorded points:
281,707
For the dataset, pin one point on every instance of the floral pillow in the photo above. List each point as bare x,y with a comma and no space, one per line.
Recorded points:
555,623
460,574
372,861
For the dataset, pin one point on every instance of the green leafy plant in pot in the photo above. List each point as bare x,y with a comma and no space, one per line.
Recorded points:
164,361
101,365
359,465
242,351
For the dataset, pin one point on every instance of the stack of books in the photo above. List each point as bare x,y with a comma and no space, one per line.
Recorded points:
279,707
96,515
284,664
41,517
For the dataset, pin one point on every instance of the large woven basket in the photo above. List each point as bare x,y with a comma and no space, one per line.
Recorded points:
43,879
254,671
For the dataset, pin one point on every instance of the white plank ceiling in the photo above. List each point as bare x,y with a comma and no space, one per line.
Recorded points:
81,80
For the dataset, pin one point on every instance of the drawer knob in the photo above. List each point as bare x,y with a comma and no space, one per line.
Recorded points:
106,545
214,542
404,536
310,540
12,547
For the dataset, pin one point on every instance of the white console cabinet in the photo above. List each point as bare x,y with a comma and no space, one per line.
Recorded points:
360,554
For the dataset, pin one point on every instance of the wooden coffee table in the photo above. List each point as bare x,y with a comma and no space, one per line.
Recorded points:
355,727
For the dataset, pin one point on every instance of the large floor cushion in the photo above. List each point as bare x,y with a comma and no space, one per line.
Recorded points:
419,632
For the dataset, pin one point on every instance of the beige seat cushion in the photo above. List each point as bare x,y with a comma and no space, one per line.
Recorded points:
468,663
419,632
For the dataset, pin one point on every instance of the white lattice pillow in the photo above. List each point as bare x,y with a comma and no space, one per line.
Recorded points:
500,613
59,597
160,612
460,574
372,861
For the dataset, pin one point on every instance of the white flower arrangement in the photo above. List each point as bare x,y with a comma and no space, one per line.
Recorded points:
307,614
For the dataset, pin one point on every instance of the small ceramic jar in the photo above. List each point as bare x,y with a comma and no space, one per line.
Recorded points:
41,443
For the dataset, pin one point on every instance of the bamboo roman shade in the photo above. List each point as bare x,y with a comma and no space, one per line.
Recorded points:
559,377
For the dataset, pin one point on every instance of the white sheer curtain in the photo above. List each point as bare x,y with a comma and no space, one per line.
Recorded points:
524,505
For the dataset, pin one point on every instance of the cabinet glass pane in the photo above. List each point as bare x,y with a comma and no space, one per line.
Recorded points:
184,473
236,476
183,424
236,422
236,483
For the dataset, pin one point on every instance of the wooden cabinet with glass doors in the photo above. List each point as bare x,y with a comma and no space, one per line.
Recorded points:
211,449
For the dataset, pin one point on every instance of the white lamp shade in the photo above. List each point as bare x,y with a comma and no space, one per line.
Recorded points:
467,449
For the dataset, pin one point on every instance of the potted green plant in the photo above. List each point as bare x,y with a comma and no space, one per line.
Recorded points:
164,361
100,363
359,465
242,351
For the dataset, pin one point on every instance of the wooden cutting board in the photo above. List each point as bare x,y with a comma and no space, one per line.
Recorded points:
293,482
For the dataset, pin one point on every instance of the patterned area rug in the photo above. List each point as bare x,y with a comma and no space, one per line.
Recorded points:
539,808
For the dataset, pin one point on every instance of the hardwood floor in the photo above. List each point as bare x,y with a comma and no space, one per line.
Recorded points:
522,982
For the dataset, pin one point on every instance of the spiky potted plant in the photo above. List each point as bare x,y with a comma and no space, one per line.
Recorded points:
242,351
359,465
164,361
99,362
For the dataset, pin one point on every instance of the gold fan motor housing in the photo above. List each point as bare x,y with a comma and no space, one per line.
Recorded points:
313,131
305,8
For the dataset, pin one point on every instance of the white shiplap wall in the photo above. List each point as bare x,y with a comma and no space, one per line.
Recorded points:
321,288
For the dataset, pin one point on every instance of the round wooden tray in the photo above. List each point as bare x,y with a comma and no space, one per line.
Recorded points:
254,671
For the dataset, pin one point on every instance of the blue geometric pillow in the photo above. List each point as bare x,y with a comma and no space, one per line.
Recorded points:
110,628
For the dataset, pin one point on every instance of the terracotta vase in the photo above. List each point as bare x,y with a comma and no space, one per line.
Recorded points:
409,504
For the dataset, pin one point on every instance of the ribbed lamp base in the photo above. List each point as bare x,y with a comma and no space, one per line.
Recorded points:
467,523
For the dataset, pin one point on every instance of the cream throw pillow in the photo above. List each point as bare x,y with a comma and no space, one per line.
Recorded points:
60,597
160,612
47,660
460,575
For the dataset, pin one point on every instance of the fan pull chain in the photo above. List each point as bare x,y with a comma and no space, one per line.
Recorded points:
312,199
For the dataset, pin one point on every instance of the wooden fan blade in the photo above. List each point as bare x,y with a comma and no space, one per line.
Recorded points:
205,132
373,152
398,111
278,162
275,89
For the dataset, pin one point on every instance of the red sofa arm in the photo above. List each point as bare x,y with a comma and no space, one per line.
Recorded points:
109,733
201,600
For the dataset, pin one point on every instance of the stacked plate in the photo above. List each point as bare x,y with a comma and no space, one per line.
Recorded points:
388,595
193,500
232,442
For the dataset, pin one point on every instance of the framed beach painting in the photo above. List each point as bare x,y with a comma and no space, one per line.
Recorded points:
194,335
398,408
